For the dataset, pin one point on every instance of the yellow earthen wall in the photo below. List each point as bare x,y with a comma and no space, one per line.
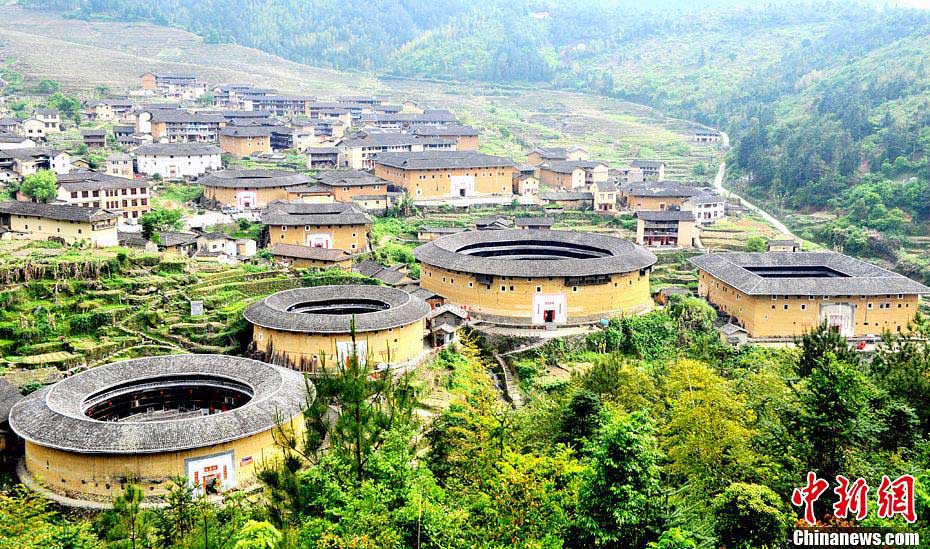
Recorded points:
42,228
789,316
625,293
438,183
351,238
227,197
99,475
652,203
245,146
394,345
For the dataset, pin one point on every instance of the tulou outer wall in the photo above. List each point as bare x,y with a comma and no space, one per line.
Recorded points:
437,183
350,238
103,476
626,293
226,196
43,228
299,350
790,316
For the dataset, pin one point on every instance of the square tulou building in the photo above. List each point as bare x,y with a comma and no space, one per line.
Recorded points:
784,294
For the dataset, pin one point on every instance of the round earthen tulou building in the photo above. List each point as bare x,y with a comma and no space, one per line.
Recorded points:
209,418
310,328
538,277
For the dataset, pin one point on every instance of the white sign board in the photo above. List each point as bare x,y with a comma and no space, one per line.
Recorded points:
320,240
839,316
549,309
344,351
216,473
463,185
246,200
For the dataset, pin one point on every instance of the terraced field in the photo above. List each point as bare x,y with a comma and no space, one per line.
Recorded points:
83,55
64,309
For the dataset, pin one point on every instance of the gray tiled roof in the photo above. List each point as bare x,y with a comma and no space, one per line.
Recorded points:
95,181
172,238
253,179
433,115
610,255
567,195
860,278
448,308
386,139
442,159
551,152
450,130
177,149
12,138
348,178
54,417
184,117
294,214
606,186
308,252
389,276
534,222
309,189
665,215
646,164
442,230
707,197
272,312
9,395
663,190
29,153
419,292
568,166
61,212
246,131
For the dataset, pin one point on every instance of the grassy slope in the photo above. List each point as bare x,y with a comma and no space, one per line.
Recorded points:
84,54
699,70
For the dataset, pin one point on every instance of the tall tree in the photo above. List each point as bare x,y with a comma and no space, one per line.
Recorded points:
41,186
159,219
616,497
750,516
130,523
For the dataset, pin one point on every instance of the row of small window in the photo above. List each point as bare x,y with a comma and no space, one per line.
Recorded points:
811,298
449,175
314,228
95,194
377,188
126,203
58,229
504,287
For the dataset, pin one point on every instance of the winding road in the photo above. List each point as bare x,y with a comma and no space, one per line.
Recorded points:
718,185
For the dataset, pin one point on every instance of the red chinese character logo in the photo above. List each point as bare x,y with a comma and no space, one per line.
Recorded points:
808,495
852,498
896,497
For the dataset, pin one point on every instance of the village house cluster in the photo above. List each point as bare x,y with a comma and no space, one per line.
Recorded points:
361,157
361,150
